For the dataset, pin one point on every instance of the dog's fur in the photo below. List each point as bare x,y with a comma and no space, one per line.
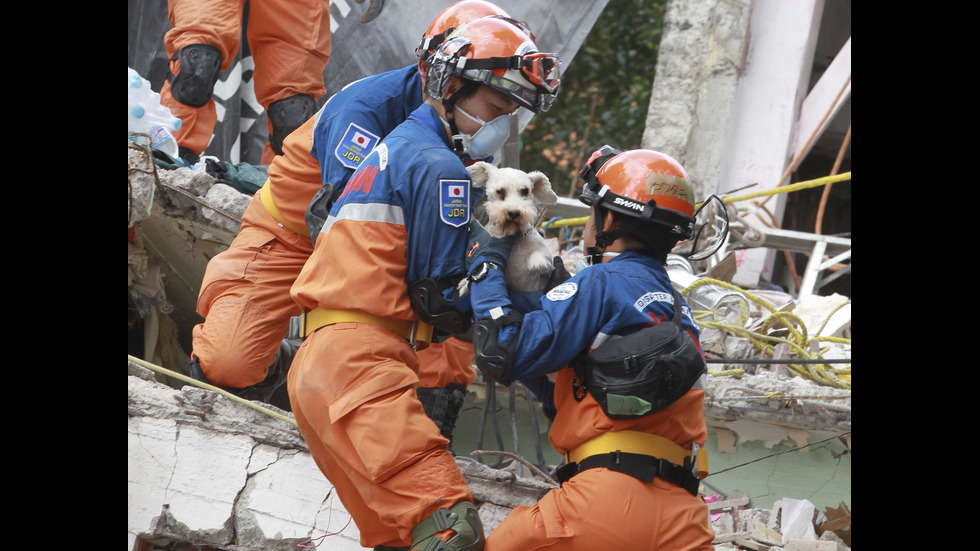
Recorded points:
512,206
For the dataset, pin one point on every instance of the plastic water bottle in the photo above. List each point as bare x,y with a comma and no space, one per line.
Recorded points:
147,115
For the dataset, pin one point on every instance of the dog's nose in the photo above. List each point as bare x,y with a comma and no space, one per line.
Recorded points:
513,214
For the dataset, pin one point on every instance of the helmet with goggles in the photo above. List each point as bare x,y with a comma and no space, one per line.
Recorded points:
498,53
454,17
653,191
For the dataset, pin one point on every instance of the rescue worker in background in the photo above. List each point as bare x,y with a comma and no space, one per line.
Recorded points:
630,481
244,297
290,44
384,272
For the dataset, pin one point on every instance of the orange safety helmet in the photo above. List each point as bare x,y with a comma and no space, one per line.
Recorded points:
500,54
451,19
652,188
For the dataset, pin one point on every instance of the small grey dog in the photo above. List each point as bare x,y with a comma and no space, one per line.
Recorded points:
513,200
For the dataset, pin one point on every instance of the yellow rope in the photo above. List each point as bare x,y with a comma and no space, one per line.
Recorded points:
565,222
764,343
788,188
222,392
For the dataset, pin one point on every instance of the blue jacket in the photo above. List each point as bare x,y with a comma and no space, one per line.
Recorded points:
356,118
617,297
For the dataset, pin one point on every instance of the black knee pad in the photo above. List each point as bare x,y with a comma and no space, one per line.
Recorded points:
287,115
200,65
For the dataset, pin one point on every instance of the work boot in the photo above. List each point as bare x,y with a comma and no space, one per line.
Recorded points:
262,391
462,518
442,405
276,378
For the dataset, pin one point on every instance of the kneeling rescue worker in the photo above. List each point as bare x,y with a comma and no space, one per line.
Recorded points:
631,430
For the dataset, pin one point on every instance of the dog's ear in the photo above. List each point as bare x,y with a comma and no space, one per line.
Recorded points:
480,173
542,188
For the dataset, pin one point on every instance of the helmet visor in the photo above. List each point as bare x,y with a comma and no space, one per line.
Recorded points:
710,230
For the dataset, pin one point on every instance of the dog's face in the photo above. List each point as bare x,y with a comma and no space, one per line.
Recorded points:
513,196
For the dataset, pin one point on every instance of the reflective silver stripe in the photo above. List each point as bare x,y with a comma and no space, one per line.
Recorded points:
367,212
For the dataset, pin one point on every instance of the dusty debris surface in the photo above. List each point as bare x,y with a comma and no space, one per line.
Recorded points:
209,472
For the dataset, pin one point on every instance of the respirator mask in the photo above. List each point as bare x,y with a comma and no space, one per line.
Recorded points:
487,140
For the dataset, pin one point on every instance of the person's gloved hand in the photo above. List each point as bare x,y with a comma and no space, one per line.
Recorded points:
373,10
558,276
482,247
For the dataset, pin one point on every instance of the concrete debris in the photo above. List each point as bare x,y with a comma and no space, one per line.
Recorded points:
208,470
771,398
763,530
191,195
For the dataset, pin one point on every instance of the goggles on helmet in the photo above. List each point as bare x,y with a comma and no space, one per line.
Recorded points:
540,69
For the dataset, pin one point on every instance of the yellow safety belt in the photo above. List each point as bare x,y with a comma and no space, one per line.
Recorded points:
417,332
631,441
266,195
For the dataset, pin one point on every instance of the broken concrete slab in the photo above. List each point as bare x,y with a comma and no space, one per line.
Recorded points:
776,400
208,470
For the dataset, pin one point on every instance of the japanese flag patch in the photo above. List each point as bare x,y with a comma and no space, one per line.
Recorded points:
454,202
355,145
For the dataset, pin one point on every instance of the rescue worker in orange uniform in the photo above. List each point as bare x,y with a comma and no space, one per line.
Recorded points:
244,296
384,272
631,436
290,44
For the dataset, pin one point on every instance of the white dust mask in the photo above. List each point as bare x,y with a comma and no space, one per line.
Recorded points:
488,139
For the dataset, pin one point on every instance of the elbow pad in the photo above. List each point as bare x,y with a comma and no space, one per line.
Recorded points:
493,359
426,299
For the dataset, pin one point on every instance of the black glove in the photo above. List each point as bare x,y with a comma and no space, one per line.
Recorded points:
482,247
558,276
373,10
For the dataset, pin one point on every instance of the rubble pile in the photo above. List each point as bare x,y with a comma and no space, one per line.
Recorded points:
205,469
791,525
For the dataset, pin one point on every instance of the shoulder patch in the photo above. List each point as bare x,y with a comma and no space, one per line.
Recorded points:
562,292
454,202
355,145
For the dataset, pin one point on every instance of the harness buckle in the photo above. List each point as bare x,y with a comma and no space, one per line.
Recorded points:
694,458
411,336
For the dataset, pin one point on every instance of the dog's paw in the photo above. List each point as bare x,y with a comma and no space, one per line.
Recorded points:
539,262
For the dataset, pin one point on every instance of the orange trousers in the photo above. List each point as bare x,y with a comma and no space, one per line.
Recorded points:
289,41
603,509
246,306
352,390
